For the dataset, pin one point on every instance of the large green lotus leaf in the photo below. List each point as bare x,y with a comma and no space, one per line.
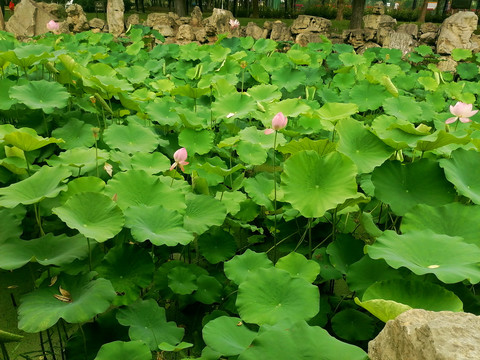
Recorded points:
241,266
147,322
463,170
271,295
402,186
40,309
182,280
289,108
75,133
449,258
6,101
232,200
367,96
131,138
79,160
227,335
265,92
27,55
129,268
47,250
365,149
336,111
94,215
344,251
416,294
366,271
260,188
83,184
453,219
202,213
159,225
134,73
45,183
288,78
314,184
162,111
28,140
250,153
132,350
150,163
109,84
196,142
403,108
353,325
41,94
399,133
216,245
137,187
322,147
300,341
255,136
383,309
440,138
299,267
240,105
209,290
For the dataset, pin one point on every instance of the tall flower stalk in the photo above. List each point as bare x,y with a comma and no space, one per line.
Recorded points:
279,122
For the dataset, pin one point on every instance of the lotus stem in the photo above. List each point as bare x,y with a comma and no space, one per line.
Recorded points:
89,254
38,219
60,342
50,343
274,199
44,354
4,351
309,224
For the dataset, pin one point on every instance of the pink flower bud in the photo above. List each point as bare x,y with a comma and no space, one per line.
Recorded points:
179,156
279,121
53,26
234,23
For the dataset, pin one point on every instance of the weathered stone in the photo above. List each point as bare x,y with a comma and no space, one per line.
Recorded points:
57,10
303,39
280,32
185,33
376,22
428,27
2,22
428,38
133,19
400,41
456,31
115,17
254,31
97,23
367,45
311,24
219,22
196,17
383,36
426,335
358,37
475,40
155,20
166,30
378,8
183,20
268,25
76,18
29,19
410,29
200,35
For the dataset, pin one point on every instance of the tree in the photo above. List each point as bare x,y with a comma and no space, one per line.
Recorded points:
358,7
423,12
255,12
180,7
340,7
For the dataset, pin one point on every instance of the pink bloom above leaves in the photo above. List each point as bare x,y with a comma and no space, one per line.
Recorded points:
234,23
462,112
179,156
53,26
279,121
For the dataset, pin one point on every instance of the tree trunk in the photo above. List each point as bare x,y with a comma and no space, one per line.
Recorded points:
340,7
423,12
255,11
180,8
358,7
414,4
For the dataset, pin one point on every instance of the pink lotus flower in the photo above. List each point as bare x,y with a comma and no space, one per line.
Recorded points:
234,23
462,112
53,26
279,121
179,156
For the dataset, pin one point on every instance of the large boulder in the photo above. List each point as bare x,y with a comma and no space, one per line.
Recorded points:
97,23
376,22
164,23
132,19
185,33
76,19
254,31
29,19
456,32
358,37
280,32
115,17
2,22
310,24
196,17
410,29
426,335
401,41
219,22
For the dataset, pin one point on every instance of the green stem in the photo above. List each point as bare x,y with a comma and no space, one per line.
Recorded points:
96,157
173,177
310,238
84,342
243,78
50,344
274,199
89,255
60,342
45,123
38,219
42,346
4,351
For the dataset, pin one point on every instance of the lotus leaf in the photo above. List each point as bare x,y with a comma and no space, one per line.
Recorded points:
353,325
41,94
132,350
80,161
94,215
6,101
424,252
28,140
196,142
299,267
238,268
209,290
75,133
383,309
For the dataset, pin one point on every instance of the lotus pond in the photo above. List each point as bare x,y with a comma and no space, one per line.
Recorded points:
160,220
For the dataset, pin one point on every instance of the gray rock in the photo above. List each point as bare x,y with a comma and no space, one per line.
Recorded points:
304,38
254,31
376,22
358,37
196,17
446,63
383,36
185,33
456,32
57,10
428,38
311,24
219,22
280,32
426,335
97,23
200,35
410,29
133,19
29,19
2,22
401,41
268,25
115,17
76,19
156,20
166,30
378,8
428,27
367,45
